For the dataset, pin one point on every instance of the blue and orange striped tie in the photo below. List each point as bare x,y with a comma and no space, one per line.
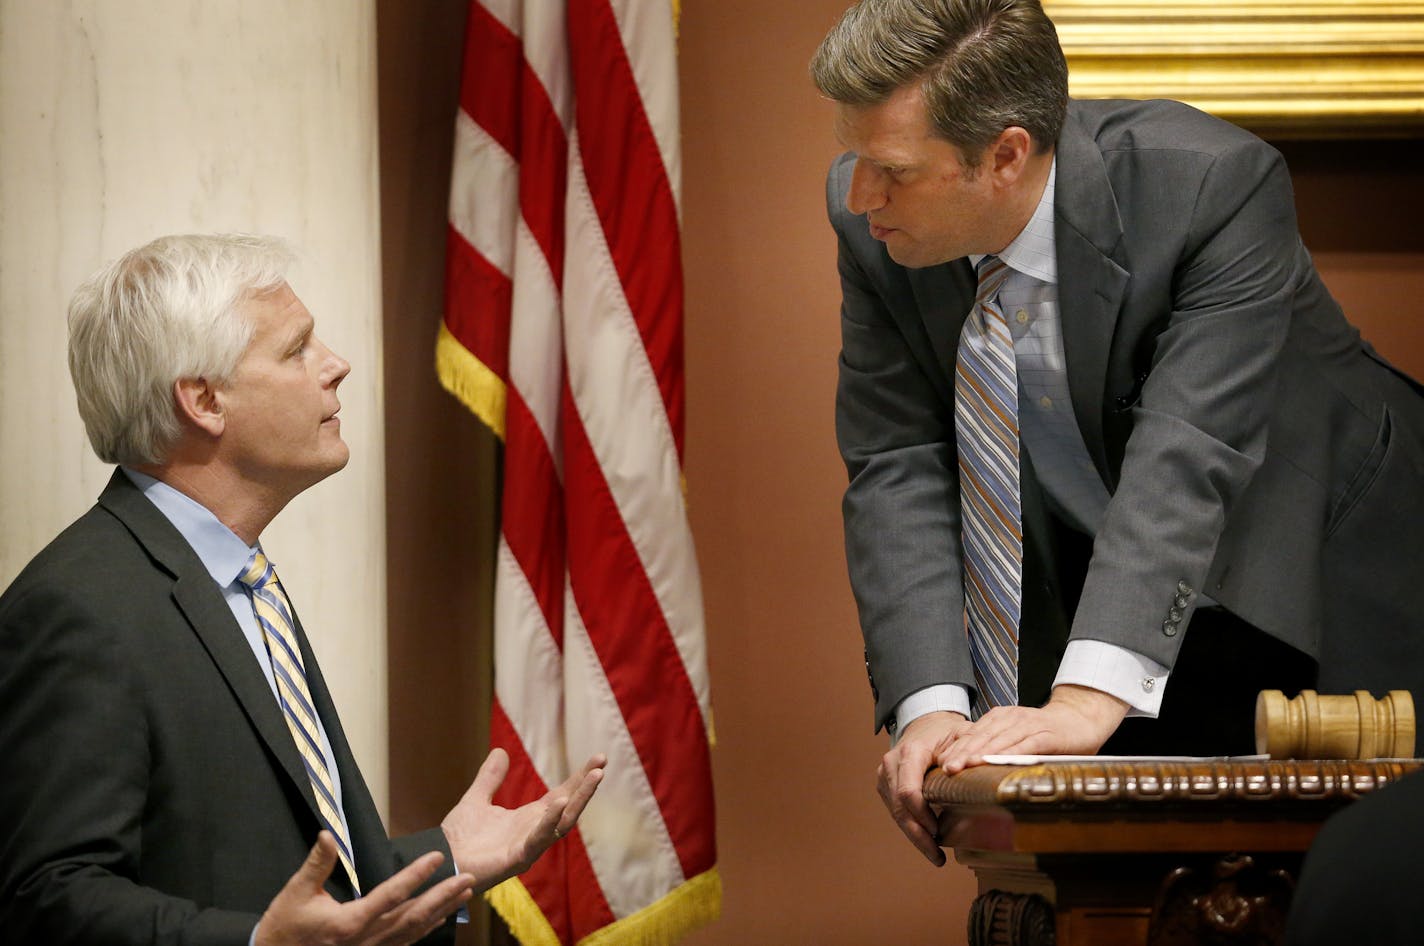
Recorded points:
274,614
986,423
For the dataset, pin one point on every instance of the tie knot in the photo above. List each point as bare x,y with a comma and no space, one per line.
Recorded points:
992,272
259,572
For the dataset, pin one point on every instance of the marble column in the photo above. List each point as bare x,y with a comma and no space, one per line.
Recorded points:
122,121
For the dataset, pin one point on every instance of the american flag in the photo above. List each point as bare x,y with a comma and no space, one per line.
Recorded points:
563,333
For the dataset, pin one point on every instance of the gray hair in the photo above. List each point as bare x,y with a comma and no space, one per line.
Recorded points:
983,65
165,311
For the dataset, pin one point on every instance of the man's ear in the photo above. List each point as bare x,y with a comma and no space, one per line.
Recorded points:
200,405
1009,153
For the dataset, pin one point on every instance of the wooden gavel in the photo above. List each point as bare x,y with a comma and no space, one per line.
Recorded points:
1335,727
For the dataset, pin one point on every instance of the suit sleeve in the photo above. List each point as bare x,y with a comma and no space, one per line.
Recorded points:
73,738
1199,430
412,846
901,508
408,848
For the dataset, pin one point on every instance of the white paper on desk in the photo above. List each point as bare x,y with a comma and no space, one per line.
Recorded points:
1039,759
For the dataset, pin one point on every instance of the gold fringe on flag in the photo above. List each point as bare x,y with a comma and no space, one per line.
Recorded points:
512,901
693,904
468,378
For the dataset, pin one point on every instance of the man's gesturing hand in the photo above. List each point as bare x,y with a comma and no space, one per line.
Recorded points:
304,914
1076,721
901,778
495,843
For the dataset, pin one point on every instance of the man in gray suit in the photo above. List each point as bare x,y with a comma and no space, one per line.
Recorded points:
174,768
1218,481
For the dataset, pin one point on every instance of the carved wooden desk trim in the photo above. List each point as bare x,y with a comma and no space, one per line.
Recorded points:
1111,847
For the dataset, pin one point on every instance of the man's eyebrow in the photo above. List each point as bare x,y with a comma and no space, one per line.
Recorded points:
300,332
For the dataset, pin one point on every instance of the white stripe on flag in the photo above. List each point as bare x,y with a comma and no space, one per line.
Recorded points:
509,12
545,42
530,670
536,352
627,840
484,193
654,63
622,410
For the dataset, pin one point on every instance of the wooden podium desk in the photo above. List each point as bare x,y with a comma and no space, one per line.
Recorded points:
1111,853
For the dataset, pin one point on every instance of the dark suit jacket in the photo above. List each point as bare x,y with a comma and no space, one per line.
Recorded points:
152,792
1357,884
1256,449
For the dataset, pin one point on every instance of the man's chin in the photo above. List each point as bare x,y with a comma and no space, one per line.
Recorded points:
335,462
907,257
916,256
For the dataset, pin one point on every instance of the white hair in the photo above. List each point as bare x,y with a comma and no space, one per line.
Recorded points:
165,311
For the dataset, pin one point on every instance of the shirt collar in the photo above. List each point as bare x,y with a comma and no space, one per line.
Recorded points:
1034,251
222,553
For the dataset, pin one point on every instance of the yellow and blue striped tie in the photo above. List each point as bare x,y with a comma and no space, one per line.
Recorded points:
274,614
986,422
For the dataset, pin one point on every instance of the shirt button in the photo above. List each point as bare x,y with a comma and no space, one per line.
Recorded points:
1021,317
1181,601
1169,629
1045,402
1147,684
1174,615
1183,588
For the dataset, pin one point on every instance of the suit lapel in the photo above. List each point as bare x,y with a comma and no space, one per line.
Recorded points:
198,598
1091,280
368,834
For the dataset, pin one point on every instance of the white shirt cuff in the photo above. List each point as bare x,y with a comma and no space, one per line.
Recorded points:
950,697
1136,680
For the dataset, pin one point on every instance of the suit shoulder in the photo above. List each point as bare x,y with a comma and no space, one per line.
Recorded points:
1118,125
94,553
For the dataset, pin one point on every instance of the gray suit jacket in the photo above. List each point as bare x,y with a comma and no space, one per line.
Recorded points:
1256,448
152,792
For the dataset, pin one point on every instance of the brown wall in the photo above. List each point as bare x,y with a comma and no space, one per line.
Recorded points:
1359,204
807,853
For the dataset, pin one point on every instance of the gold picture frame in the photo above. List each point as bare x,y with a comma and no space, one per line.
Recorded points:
1303,69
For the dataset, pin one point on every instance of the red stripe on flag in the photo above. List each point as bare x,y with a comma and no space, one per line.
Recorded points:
477,303
543,172
645,671
504,97
545,880
631,193
562,882
489,83
533,512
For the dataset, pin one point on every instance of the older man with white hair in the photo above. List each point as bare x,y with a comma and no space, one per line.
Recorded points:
175,771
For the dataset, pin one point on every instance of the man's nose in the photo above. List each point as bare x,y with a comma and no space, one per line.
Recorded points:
334,368
867,191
